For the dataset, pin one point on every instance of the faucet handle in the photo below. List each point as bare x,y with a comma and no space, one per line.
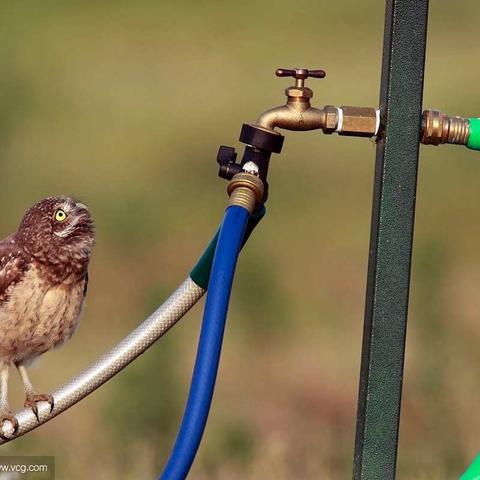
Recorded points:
300,73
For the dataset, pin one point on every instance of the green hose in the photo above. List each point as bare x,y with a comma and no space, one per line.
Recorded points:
473,471
474,137
201,271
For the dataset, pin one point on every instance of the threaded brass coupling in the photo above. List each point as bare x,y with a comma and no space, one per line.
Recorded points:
245,190
438,128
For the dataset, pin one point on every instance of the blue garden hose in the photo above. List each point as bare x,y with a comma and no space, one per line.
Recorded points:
210,344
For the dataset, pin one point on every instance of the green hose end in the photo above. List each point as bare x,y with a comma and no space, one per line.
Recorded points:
473,471
201,271
474,137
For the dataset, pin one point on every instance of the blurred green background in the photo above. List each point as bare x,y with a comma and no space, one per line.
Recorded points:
123,105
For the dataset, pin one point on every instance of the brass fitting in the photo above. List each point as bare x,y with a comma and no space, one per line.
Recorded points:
298,114
438,128
245,190
359,121
331,119
299,94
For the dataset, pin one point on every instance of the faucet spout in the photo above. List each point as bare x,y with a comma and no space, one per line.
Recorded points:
293,116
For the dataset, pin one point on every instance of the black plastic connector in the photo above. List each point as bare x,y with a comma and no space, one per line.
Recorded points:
252,135
226,158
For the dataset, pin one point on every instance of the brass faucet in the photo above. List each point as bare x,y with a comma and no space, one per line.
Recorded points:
298,114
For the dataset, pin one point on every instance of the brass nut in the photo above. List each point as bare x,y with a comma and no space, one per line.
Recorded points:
331,119
359,121
299,92
432,130
240,186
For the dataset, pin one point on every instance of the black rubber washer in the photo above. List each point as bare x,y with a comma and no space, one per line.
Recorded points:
271,142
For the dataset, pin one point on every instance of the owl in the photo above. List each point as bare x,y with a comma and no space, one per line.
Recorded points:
43,283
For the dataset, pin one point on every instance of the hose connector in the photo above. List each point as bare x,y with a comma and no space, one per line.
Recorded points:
245,190
438,128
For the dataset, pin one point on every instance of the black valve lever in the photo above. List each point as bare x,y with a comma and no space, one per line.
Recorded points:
226,158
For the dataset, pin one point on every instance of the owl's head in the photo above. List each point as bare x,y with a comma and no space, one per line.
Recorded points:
57,229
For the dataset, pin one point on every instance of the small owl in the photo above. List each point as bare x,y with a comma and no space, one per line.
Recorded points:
43,282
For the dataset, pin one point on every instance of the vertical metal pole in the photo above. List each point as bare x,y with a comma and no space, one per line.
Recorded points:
383,348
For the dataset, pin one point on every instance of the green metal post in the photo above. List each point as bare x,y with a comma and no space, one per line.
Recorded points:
383,348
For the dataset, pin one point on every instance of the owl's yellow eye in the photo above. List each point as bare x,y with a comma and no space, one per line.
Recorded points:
60,215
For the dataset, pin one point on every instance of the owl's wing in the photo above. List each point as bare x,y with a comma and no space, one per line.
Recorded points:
13,265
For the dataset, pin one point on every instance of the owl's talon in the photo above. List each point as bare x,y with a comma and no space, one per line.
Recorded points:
32,400
8,418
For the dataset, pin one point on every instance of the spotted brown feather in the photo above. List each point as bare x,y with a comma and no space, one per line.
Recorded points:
13,265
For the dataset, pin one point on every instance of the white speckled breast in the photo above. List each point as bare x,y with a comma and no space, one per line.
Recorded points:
38,317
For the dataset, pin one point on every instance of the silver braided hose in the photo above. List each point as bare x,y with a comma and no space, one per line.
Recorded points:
127,350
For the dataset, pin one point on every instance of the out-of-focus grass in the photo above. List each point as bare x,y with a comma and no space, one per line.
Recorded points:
124,104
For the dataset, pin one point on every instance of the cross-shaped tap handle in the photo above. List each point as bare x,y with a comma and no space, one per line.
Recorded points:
299,73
